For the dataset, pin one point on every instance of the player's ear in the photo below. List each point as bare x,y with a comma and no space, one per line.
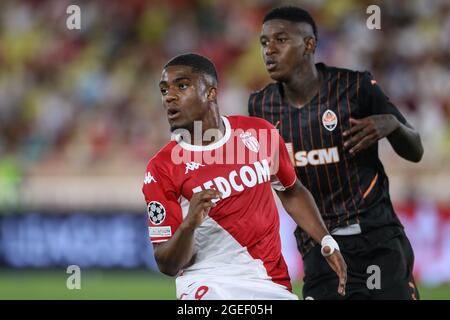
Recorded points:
212,94
310,45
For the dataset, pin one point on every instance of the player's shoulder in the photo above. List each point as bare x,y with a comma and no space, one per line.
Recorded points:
354,75
249,122
334,70
162,158
269,88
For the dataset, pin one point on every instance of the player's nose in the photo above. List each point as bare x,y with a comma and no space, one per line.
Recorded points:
270,48
170,97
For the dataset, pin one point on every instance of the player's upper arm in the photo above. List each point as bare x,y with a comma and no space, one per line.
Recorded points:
372,99
163,209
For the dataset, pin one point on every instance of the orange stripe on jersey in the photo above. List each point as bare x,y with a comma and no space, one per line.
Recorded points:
326,167
292,140
371,185
335,164
262,104
281,115
303,235
303,146
253,105
357,86
353,161
315,167
290,127
345,158
271,104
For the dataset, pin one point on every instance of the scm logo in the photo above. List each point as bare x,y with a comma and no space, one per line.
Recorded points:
315,157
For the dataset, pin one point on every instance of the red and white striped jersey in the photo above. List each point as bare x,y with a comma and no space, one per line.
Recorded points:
240,236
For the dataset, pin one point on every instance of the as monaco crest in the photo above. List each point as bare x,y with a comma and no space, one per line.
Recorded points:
250,141
329,120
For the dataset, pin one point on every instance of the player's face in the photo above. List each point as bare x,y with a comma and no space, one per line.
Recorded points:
184,96
282,48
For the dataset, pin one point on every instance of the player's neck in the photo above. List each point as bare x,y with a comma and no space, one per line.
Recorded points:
303,86
214,125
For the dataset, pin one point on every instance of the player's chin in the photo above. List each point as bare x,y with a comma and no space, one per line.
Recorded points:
174,127
277,75
177,125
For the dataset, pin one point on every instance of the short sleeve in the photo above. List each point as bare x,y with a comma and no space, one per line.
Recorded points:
372,99
163,209
284,175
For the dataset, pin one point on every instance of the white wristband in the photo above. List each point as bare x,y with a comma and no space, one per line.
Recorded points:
328,241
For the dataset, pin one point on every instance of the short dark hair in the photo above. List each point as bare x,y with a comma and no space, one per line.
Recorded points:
197,62
291,13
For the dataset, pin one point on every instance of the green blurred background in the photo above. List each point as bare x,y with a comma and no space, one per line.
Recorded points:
118,284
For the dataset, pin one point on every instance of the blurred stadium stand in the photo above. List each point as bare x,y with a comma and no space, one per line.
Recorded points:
80,112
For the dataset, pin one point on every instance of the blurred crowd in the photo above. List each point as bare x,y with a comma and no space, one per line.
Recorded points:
86,102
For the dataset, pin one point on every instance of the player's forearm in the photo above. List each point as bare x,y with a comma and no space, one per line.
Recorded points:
174,254
300,205
406,142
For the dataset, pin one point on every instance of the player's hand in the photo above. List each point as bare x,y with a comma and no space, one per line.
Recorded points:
366,131
200,204
337,263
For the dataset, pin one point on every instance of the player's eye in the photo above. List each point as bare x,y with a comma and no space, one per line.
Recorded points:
281,40
183,86
164,91
264,42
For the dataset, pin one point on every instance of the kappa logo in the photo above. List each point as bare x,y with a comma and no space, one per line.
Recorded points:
329,120
156,212
148,178
250,141
192,166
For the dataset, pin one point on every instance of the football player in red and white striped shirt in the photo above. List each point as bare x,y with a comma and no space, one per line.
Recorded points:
212,215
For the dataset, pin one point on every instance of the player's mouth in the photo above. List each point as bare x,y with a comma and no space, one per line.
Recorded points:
173,113
271,65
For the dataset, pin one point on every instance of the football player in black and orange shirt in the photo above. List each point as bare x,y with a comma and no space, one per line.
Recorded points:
331,120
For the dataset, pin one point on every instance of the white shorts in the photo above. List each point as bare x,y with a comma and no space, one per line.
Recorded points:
204,288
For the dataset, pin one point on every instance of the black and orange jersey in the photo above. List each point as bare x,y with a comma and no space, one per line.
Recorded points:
347,189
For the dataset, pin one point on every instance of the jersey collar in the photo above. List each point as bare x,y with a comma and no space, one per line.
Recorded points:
209,147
